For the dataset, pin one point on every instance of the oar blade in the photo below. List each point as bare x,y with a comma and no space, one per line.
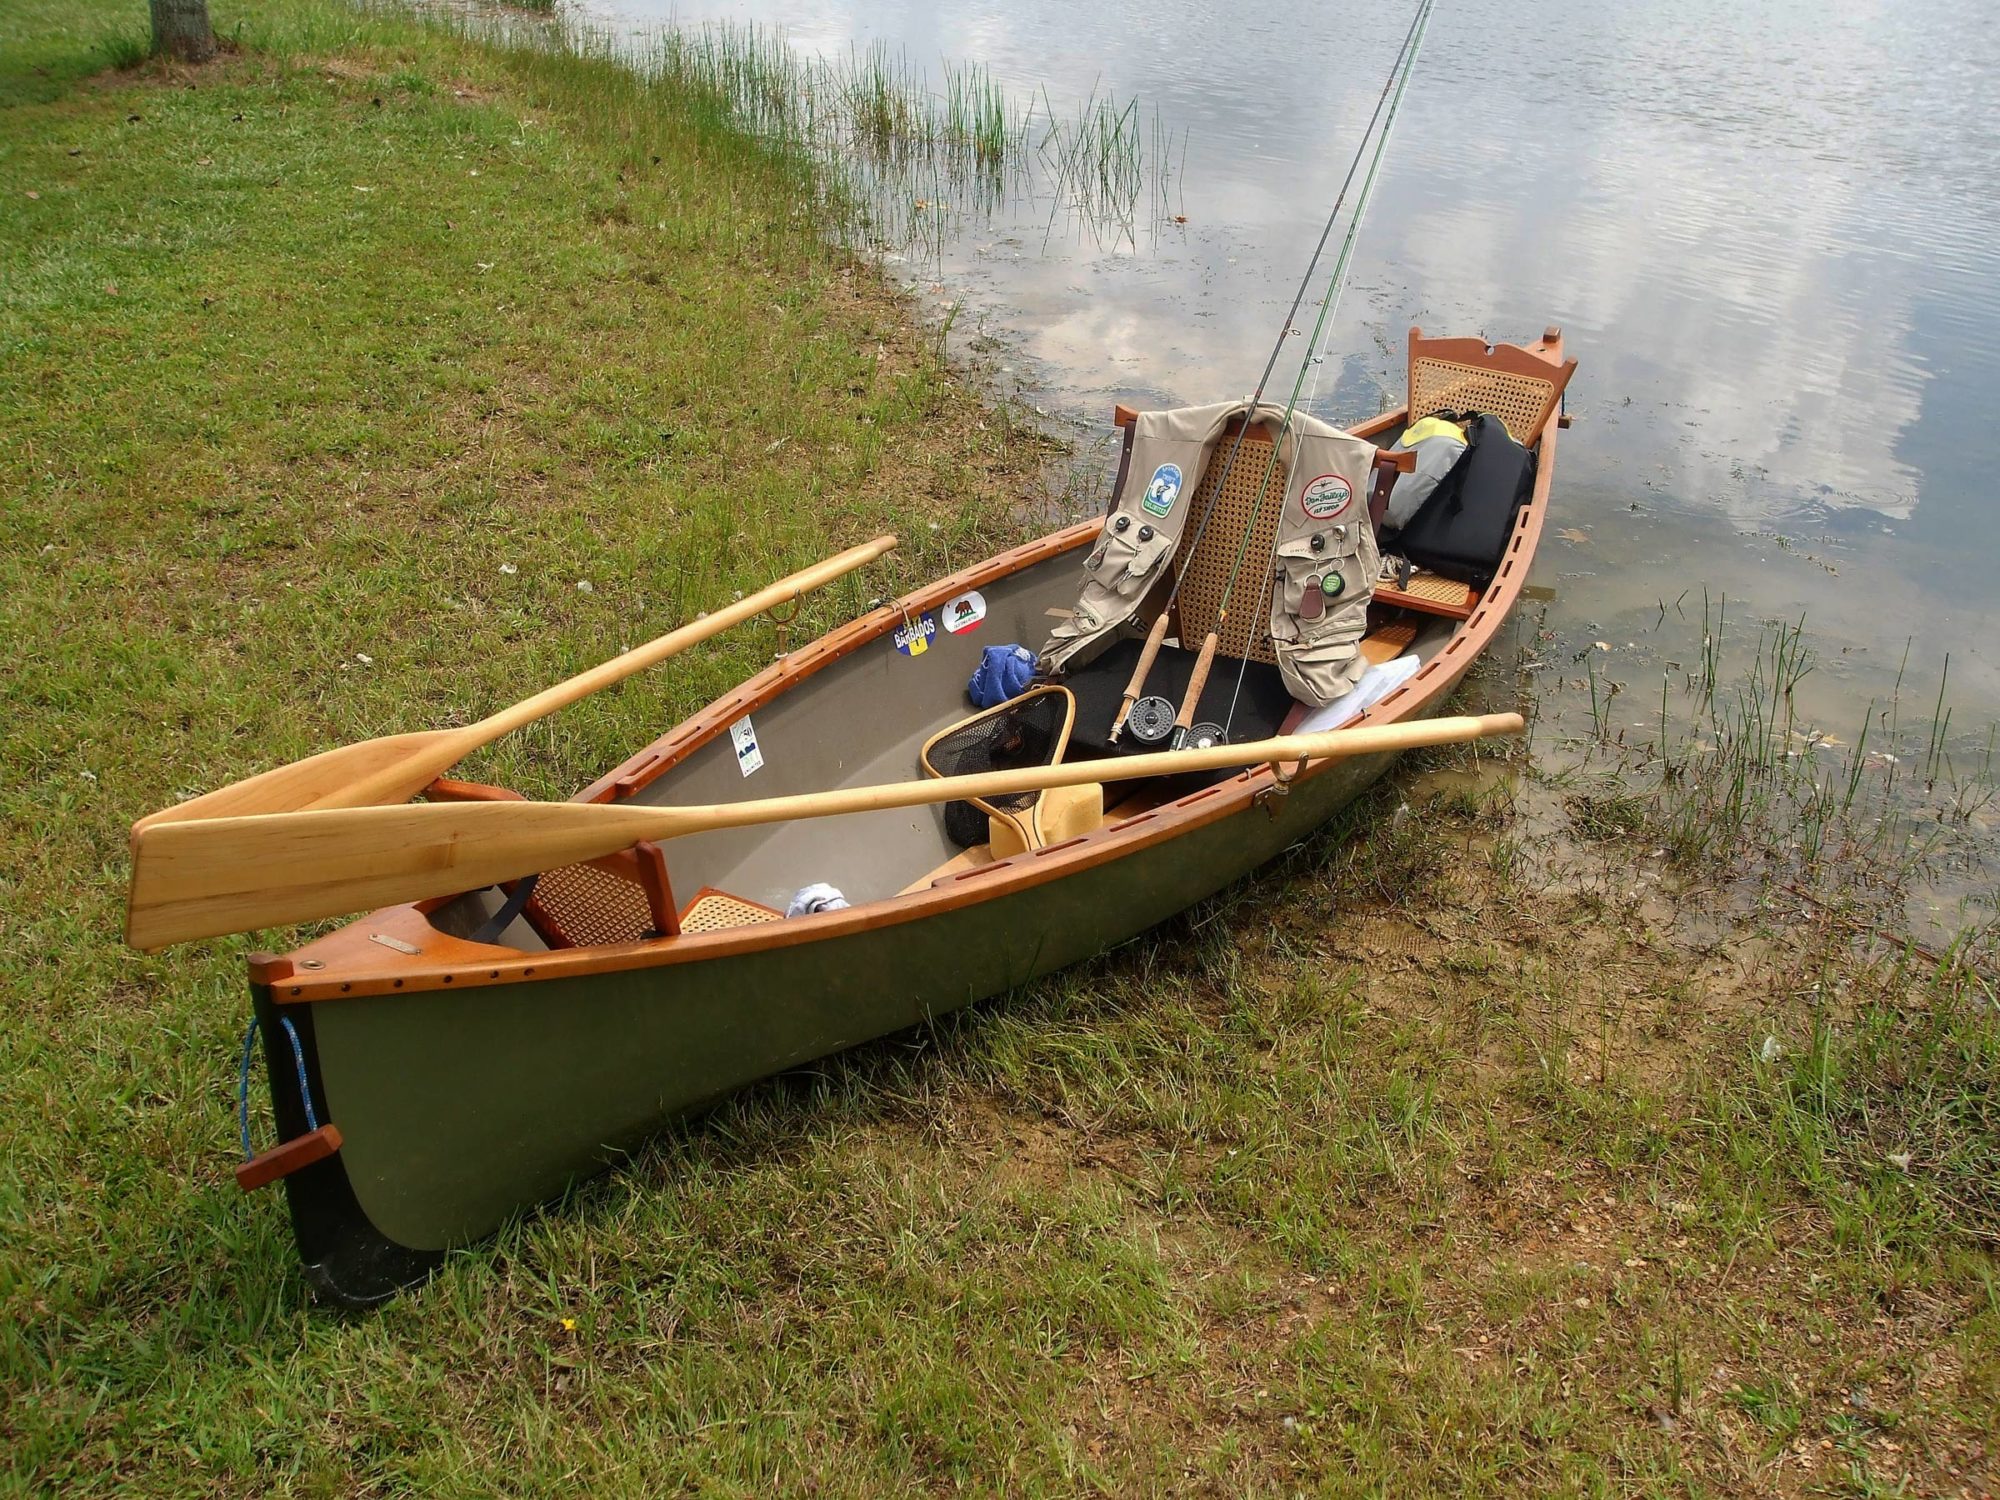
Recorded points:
396,767
209,876
391,769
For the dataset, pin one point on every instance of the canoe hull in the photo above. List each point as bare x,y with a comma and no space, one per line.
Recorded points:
457,1107
468,1080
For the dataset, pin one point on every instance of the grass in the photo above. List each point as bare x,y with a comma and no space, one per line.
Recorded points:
1405,1170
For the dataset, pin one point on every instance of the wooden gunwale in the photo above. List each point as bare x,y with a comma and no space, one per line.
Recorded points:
348,963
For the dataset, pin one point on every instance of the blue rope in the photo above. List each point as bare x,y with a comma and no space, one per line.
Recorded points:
243,1089
243,1081
299,1058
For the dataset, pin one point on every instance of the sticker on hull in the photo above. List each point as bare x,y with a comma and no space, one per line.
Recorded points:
914,638
965,612
743,735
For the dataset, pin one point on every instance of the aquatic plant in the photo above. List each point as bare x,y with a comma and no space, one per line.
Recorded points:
1731,781
907,163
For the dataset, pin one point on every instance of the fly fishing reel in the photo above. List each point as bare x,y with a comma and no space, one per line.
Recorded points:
1151,721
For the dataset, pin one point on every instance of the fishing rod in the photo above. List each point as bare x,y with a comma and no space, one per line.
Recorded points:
1329,304
1156,637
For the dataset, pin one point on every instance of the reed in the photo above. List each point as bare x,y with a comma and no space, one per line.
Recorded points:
1731,782
906,163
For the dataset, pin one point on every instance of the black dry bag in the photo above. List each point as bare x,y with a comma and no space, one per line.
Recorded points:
1463,527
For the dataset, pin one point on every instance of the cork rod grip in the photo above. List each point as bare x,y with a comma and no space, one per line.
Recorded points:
1147,654
1197,680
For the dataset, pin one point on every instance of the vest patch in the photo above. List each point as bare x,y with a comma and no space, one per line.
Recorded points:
1326,497
1163,491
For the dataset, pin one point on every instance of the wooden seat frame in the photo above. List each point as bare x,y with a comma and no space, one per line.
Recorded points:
644,865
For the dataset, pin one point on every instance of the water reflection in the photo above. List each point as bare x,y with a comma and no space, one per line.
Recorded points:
1770,232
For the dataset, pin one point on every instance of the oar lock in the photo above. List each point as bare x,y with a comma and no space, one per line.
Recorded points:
781,625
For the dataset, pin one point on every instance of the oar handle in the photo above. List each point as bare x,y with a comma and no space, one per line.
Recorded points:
700,629
1326,744
1135,689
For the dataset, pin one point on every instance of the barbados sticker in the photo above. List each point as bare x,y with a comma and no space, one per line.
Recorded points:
914,638
748,757
1326,497
965,612
1163,491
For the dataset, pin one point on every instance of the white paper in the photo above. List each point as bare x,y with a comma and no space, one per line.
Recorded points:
1376,683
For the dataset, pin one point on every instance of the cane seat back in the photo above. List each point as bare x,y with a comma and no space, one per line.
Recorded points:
1517,385
1207,552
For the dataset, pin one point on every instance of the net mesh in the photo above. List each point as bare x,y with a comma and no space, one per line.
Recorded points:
1032,730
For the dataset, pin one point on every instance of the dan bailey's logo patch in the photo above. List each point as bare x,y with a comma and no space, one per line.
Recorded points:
914,638
1163,491
965,612
1326,497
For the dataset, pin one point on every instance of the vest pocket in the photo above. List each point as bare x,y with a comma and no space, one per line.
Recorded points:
1117,571
1320,594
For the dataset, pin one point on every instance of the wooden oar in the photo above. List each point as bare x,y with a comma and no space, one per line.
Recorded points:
216,875
398,766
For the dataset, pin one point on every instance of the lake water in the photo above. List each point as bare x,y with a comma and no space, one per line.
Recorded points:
1770,232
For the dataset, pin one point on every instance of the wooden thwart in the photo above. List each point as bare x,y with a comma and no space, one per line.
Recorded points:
210,876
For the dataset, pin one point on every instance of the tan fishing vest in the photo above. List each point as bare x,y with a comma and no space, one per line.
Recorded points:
1323,563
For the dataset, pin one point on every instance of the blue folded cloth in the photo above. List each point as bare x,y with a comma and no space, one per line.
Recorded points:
1004,671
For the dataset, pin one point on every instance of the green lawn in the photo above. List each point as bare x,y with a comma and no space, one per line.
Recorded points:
327,374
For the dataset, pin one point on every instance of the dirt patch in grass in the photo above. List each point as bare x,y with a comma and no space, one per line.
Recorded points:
1565,1259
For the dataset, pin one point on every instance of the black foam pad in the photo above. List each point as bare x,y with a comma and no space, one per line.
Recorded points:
1100,687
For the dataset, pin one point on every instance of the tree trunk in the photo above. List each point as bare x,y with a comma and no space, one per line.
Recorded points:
181,30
